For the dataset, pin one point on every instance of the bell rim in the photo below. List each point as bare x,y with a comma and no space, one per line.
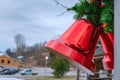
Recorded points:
71,55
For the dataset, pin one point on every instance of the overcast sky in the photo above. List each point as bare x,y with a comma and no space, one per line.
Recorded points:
36,20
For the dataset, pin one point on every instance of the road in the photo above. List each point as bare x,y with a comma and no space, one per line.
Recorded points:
41,72
48,71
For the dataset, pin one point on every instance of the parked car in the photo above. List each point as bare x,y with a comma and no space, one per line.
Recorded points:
14,71
27,72
3,71
9,72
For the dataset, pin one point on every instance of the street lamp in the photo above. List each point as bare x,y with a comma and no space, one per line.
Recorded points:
46,61
46,57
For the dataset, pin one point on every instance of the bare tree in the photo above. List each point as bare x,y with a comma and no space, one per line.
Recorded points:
20,43
10,53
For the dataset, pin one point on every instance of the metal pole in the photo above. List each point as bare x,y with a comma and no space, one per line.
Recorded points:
78,74
117,40
46,62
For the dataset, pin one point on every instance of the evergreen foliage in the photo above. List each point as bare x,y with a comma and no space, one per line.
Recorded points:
107,15
60,67
95,13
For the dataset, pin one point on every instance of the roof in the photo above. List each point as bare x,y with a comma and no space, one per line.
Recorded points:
4,54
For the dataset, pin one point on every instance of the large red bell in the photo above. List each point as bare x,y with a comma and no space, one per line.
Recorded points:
107,40
77,45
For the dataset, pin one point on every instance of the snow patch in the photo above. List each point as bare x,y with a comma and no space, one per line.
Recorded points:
9,78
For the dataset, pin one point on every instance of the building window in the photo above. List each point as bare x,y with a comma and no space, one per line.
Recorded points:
2,61
8,61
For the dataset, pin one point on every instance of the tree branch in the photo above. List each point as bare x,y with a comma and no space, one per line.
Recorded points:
62,13
60,4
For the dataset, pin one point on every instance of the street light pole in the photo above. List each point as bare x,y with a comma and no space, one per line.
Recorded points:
46,61
78,74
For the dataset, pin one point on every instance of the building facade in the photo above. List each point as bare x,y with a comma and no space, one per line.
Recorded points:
7,62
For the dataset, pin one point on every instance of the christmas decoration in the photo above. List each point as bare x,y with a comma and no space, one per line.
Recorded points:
77,45
100,12
107,41
95,12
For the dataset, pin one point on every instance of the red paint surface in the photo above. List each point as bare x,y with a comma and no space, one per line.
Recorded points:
77,45
107,40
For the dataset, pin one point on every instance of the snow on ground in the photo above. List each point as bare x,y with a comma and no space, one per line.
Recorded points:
9,78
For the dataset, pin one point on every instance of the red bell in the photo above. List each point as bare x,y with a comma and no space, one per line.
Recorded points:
77,45
111,37
107,40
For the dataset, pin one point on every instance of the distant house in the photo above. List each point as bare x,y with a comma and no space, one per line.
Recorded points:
7,62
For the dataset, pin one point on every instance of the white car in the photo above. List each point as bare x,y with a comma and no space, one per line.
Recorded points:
27,72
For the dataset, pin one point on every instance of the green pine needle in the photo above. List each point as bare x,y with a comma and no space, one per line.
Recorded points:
95,13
